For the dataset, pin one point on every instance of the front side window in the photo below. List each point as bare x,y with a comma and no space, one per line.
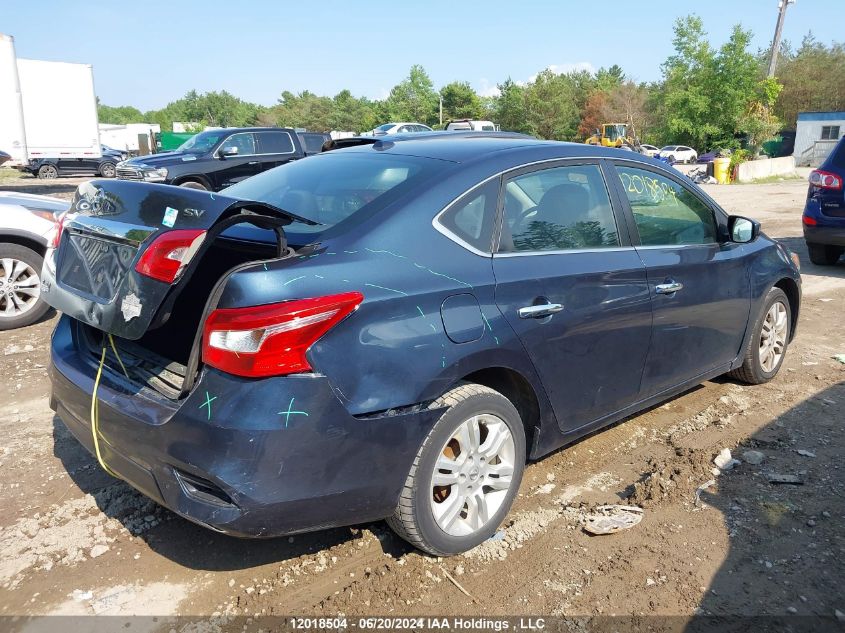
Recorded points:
245,142
666,213
561,208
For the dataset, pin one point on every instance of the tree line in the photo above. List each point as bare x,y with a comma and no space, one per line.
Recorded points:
707,97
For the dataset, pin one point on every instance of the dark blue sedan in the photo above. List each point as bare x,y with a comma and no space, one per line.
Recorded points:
824,211
391,330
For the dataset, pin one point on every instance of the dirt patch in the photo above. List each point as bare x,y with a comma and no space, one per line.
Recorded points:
673,480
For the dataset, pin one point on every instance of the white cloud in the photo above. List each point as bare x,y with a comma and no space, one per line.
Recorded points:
486,88
567,67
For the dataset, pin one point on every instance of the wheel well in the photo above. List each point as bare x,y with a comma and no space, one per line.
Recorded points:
515,388
790,289
31,244
198,179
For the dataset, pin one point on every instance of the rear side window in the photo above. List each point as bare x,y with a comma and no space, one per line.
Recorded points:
561,208
313,142
274,143
471,218
666,213
838,154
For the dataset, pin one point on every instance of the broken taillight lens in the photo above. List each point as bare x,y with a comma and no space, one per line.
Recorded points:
168,254
271,340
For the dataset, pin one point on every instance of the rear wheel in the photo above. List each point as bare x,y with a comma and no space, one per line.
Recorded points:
823,255
193,184
20,287
466,474
769,340
107,170
47,172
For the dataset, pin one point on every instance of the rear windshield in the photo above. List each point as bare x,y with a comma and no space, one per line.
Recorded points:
334,188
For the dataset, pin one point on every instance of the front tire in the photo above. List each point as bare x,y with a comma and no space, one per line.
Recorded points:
48,172
769,340
823,255
192,184
20,287
465,475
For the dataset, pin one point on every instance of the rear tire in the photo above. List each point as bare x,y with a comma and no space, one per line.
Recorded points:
823,255
193,184
24,272
480,473
770,336
48,172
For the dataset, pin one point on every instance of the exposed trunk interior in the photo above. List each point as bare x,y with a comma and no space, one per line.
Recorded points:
161,359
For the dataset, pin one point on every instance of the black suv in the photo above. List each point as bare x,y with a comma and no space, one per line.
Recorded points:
215,159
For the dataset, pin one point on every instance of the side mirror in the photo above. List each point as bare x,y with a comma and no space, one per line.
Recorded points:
742,230
228,151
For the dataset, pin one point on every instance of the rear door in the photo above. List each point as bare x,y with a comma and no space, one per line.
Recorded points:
104,271
573,288
274,148
698,280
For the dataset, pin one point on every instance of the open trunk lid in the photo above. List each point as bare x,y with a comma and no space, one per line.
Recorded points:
92,275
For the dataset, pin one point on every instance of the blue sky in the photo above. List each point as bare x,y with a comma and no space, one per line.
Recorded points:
149,53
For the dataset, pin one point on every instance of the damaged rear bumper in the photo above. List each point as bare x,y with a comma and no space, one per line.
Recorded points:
255,458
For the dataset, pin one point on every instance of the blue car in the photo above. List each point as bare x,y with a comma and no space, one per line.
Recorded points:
391,330
824,211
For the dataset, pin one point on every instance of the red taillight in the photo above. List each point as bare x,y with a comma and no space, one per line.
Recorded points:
60,227
271,340
825,179
808,221
169,253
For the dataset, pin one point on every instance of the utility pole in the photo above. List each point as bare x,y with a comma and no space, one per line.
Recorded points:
441,110
773,55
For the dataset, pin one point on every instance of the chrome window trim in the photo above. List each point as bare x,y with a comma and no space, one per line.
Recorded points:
570,251
292,144
435,222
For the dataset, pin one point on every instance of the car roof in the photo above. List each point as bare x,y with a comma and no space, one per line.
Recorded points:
464,146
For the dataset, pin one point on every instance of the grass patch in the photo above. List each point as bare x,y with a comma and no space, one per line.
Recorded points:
7,174
770,179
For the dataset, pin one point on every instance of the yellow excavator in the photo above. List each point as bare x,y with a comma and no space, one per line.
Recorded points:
612,135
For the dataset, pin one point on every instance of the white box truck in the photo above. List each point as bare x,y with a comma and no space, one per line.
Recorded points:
48,109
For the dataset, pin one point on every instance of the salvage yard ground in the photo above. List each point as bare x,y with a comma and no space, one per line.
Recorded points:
75,541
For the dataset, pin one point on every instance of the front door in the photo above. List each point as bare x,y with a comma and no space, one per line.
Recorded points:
235,167
698,279
574,290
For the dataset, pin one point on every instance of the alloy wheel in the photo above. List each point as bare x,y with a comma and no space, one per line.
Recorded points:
20,287
773,337
472,475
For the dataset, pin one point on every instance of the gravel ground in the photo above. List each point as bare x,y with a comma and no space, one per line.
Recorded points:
75,541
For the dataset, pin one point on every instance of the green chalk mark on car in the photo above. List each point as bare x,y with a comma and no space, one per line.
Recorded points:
207,403
404,294
291,412
422,314
290,281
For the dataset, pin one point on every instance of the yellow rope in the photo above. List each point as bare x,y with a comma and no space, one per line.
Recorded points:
95,414
114,349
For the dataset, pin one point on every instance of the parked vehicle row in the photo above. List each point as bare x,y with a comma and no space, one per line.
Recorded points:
392,329
27,226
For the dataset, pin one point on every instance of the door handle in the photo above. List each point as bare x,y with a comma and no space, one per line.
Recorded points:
669,288
539,311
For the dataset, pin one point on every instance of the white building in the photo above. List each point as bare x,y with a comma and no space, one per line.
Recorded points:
815,135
